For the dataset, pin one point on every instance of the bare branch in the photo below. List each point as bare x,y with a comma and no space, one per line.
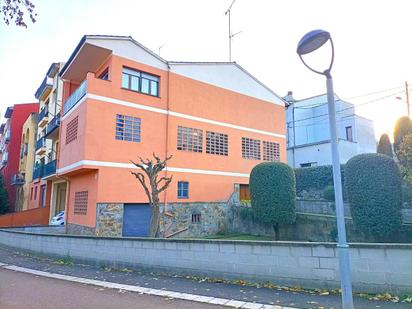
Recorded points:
142,181
166,184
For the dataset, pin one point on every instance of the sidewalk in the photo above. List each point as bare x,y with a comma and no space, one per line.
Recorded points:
197,286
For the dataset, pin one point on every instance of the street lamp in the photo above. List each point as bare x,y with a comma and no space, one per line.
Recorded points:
309,43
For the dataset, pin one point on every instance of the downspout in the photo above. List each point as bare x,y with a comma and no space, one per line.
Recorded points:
167,133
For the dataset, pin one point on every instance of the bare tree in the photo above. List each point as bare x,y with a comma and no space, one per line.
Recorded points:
151,168
14,10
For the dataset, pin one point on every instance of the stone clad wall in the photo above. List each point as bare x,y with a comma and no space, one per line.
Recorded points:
109,220
375,267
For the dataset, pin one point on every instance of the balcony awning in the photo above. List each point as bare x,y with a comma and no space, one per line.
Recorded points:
85,58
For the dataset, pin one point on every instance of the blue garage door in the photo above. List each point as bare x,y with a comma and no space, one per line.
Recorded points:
136,220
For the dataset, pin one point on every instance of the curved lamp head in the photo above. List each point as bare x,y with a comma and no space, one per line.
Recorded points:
310,42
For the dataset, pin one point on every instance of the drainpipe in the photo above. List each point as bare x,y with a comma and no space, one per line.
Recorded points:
167,132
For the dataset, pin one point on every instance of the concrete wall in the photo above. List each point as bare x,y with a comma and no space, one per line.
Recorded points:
375,268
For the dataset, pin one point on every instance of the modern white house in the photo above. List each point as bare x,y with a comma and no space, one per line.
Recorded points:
308,138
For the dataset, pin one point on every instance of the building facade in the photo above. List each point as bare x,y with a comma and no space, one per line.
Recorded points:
46,189
26,164
122,101
11,147
308,138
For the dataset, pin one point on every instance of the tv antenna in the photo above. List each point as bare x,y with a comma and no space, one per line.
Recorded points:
231,35
160,47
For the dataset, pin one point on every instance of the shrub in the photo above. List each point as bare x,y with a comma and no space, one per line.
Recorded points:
402,127
329,193
318,177
373,184
4,198
385,146
273,194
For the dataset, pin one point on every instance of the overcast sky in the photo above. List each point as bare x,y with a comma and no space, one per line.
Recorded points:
372,41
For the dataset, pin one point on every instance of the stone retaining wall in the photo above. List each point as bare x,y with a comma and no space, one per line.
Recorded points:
375,267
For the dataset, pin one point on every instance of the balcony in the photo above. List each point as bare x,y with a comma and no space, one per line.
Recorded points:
49,168
51,132
41,146
45,88
7,138
38,171
75,97
17,180
43,116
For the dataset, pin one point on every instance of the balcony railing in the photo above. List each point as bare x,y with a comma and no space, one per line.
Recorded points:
49,168
40,143
53,124
7,139
17,180
75,97
38,171
43,113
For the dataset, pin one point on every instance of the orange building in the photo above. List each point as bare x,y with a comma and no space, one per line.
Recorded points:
122,101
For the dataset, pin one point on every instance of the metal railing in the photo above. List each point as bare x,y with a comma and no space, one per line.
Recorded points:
75,97
53,124
49,168
38,171
17,180
43,113
41,143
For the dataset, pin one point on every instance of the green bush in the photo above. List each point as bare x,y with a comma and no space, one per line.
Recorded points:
373,184
385,146
4,198
318,177
273,193
329,193
407,195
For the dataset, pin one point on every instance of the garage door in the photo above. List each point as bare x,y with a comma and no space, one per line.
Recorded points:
136,219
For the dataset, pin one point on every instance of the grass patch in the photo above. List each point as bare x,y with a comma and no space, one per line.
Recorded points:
67,261
238,237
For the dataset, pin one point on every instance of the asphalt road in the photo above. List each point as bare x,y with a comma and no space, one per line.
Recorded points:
24,291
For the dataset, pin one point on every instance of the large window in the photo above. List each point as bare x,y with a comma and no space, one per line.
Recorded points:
182,189
189,139
216,143
43,196
271,151
349,134
128,128
140,81
250,148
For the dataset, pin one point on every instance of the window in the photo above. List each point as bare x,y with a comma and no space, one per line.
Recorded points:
216,143
349,135
141,82
31,193
35,193
80,202
309,164
105,74
271,151
250,148
71,130
196,217
189,139
128,128
182,189
43,196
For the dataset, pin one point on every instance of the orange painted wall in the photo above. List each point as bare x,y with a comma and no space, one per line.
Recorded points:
39,216
96,137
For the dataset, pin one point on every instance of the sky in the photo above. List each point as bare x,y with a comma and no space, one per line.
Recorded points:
372,39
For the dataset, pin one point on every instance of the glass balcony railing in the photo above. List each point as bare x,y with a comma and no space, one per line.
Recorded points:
75,97
40,143
49,168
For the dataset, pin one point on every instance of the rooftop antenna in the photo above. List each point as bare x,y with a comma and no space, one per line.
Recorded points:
230,31
160,47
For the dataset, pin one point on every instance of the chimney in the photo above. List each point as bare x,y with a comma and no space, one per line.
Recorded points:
289,97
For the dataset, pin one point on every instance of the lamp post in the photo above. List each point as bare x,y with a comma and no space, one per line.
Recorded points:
309,43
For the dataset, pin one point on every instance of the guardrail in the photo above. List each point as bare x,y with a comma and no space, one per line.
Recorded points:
75,97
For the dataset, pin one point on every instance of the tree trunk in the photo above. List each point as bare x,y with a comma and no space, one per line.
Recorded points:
154,219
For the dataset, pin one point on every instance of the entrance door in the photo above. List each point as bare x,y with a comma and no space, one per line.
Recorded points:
136,220
60,197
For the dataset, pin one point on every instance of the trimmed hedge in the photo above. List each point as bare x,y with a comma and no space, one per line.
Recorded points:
373,183
318,177
273,193
4,198
385,146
